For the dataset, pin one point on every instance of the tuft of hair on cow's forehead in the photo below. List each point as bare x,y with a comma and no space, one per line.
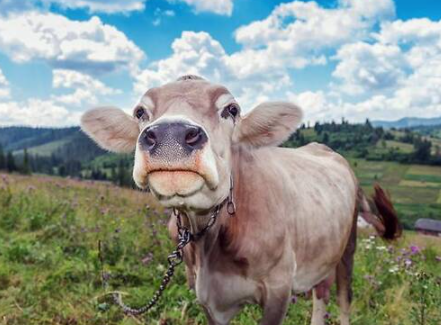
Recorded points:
195,91
189,77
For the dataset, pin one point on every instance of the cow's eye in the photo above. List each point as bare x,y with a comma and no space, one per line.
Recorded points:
230,110
139,112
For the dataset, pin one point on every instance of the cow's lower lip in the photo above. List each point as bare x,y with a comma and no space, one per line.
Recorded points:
169,183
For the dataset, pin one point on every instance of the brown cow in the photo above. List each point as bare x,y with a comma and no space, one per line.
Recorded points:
295,224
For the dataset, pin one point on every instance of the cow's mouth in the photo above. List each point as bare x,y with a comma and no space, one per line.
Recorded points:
169,183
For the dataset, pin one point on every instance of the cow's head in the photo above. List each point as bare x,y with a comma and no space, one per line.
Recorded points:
183,133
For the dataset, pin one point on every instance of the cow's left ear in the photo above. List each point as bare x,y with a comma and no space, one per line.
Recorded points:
269,124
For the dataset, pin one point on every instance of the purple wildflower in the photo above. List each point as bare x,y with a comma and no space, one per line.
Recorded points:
294,299
414,249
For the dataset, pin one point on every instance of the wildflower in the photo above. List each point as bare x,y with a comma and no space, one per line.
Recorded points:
438,258
327,315
414,249
407,262
381,248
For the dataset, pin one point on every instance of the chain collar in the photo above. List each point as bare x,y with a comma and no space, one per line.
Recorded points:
174,259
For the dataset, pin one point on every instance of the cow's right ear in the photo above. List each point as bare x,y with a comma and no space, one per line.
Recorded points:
269,124
111,129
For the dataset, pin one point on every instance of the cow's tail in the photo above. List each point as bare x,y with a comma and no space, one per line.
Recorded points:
380,213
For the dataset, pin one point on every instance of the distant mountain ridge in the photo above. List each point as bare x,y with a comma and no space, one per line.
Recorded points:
407,122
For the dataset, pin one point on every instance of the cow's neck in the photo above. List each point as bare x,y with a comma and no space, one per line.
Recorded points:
223,238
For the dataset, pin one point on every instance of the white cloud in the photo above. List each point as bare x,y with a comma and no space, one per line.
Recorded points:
87,90
293,36
104,6
34,112
314,104
367,67
63,43
400,69
59,110
220,7
200,54
298,34
4,86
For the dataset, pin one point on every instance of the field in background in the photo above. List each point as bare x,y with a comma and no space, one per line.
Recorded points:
49,265
415,189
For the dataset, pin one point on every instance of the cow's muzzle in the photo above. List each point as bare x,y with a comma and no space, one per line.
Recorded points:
181,138
174,158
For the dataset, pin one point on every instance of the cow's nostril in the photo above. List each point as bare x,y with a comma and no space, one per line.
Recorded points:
150,138
193,136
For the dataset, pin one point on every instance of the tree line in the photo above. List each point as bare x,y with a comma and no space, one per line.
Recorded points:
117,171
360,141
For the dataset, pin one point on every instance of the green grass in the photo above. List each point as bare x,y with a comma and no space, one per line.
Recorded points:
415,189
49,265
399,146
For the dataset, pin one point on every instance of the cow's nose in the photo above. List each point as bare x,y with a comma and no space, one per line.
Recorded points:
187,136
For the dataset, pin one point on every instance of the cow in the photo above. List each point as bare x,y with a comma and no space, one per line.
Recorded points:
295,221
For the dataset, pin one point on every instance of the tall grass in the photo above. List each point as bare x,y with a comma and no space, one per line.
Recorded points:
50,270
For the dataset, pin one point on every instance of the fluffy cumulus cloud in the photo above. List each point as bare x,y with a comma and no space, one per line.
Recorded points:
4,86
200,54
297,34
105,6
400,70
293,36
86,90
90,45
369,67
79,92
221,7
35,112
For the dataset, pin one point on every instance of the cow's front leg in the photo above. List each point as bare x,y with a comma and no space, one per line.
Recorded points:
276,306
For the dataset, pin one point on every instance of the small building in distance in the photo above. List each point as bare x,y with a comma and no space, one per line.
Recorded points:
428,227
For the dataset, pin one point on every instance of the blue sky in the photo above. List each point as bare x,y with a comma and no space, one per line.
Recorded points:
356,59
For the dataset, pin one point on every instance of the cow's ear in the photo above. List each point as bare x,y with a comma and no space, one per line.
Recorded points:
269,124
111,129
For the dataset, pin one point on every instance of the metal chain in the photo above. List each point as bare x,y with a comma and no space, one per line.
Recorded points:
174,259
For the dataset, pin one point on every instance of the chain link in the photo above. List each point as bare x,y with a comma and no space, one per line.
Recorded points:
174,259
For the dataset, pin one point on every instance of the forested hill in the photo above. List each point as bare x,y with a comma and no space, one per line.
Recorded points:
15,138
69,152
62,151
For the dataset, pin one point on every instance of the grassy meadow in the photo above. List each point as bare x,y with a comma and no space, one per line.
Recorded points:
50,270
415,189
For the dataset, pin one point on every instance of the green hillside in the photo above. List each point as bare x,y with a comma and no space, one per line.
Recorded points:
415,189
